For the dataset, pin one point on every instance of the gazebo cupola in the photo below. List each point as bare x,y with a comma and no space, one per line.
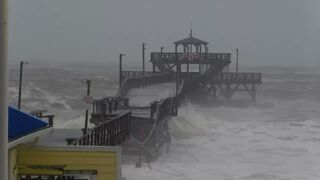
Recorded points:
190,42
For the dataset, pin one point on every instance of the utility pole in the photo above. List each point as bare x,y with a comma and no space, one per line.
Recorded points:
206,52
237,60
143,57
20,83
188,77
120,69
3,92
87,111
177,80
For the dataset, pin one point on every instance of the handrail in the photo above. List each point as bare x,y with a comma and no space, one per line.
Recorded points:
141,81
164,108
109,104
109,133
238,77
132,74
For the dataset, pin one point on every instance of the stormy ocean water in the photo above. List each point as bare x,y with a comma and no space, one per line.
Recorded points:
60,89
277,138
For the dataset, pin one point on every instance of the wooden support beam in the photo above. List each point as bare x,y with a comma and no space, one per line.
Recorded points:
254,93
214,92
153,67
222,91
234,89
228,92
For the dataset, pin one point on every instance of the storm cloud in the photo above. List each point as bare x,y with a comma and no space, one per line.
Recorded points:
273,32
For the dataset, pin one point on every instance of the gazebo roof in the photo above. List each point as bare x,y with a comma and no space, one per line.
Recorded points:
191,40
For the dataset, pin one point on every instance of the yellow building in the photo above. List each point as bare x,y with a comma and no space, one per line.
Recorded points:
44,154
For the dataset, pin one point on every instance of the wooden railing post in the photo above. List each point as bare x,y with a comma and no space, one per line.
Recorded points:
109,106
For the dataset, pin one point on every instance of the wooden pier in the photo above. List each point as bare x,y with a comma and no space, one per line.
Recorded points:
144,129
227,84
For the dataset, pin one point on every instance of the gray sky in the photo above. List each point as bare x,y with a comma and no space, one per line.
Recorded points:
267,32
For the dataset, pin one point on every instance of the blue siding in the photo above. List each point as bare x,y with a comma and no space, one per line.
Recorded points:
21,124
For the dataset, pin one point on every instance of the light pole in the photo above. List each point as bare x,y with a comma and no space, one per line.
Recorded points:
188,77
3,92
143,57
120,68
88,82
237,60
177,81
20,82
206,52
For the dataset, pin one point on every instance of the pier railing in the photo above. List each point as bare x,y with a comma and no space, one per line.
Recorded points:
158,134
162,109
109,104
141,81
135,74
103,109
110,133
237,78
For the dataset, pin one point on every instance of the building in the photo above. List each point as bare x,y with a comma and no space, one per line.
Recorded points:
38,151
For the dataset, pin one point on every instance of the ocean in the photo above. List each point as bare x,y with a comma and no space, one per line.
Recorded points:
277,138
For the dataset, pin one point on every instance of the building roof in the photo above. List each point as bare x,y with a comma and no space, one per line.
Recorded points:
57,137
22,124
191,40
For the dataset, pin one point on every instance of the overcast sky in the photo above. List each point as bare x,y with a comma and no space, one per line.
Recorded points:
267,32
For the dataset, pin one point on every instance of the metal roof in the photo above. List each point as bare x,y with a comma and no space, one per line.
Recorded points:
191,40
22,124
